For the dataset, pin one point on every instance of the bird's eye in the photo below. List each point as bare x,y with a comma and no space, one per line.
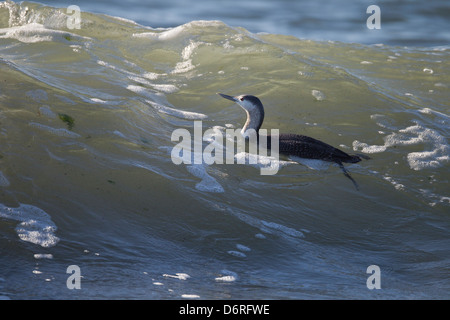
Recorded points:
241,98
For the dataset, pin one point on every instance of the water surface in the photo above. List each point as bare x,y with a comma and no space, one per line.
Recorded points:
87,177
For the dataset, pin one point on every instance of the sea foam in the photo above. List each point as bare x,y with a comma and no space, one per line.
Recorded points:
35,32
207,183
35,224
435,149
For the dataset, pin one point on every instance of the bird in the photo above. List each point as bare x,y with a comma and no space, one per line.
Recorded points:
291,144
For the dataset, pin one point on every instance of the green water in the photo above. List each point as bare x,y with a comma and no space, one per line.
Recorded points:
86,117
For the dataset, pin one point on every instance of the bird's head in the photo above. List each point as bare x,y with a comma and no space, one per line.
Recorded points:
247,102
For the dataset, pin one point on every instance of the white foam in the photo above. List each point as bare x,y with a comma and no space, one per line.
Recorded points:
167,34
396,184
140,90
227,45
183,66
318,95
43,256
366,148
226,279
188,51
76,48
186,65
179,276
428,159
161,36
190,296
35,224
99,101
35,32
151,75
228,276
165,88
260,161
437,150
207,183
62,132
417,134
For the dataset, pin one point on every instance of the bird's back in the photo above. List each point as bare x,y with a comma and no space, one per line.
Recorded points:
310,148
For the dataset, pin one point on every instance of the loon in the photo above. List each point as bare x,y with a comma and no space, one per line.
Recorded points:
293,144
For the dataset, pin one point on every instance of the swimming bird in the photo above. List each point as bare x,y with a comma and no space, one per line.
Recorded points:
293,144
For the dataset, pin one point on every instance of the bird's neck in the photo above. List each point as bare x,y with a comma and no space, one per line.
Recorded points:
254,121
255,118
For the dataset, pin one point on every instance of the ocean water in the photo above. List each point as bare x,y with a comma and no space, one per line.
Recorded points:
88,180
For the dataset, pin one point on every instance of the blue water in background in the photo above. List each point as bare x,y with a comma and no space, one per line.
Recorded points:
404,23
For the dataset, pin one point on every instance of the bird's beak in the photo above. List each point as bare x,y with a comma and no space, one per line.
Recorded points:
227,97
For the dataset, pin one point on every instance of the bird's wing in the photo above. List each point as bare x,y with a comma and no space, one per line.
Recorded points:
310,148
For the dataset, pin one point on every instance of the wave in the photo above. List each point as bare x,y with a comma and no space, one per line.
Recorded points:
87,117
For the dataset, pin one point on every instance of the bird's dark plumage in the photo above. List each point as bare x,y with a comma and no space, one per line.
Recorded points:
310,148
